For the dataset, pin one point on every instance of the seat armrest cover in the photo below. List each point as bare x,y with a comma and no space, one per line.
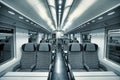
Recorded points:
86,67
17,67
103,67
32,67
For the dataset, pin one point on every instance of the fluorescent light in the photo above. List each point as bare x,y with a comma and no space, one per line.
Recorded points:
66,26
51,2
40,8
21,17
68,3
82,7
111,13
11,12
53,12
65,13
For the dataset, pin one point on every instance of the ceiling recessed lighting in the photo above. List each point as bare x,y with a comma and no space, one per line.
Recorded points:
84,25
81,26
31,22
88,23
60,1
35,24
21,17
60,6
11,12
93,21
59,11
100,18
111,13
27,20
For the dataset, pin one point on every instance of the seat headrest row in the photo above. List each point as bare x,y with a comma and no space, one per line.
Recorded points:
75,47
31,47
44,47
89,47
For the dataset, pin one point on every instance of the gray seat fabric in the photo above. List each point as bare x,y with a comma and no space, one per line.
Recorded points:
28,59
43,56
75,55
91,57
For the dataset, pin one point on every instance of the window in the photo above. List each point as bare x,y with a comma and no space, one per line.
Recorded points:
113,45
33,36
6,44
86,38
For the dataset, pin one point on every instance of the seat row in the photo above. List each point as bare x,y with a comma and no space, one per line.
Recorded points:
35,57
83,56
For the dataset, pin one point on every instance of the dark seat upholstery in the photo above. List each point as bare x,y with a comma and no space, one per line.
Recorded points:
75,56
28,59
43,57
91,61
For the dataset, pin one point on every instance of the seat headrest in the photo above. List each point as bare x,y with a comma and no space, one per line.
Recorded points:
75,47
44,47
29,47
90,47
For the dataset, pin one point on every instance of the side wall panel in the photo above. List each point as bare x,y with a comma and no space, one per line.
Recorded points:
98,37
21,38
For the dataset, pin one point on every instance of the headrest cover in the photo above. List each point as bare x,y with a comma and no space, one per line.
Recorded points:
75,47
44,47
29,47
90,47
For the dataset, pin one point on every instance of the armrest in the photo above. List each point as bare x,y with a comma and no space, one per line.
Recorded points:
53,51
17,67
70,72
66,55
86,67
33,67
65,51
103,67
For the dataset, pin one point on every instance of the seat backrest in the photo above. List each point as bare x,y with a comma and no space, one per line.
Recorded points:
43,56
91,55
28,55
75,55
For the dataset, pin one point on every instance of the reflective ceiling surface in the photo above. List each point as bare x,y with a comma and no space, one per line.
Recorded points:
47,13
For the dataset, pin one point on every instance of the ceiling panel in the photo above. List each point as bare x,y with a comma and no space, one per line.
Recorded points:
80,12
37,10
95,9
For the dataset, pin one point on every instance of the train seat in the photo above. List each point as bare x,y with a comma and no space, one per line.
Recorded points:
90,56
75,56
28,59
43,57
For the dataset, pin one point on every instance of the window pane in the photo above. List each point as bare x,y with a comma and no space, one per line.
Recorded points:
6,44
113,45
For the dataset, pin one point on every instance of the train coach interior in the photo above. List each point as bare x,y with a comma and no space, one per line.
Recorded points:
60,39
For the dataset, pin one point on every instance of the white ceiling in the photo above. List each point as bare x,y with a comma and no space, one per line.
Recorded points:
81,11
